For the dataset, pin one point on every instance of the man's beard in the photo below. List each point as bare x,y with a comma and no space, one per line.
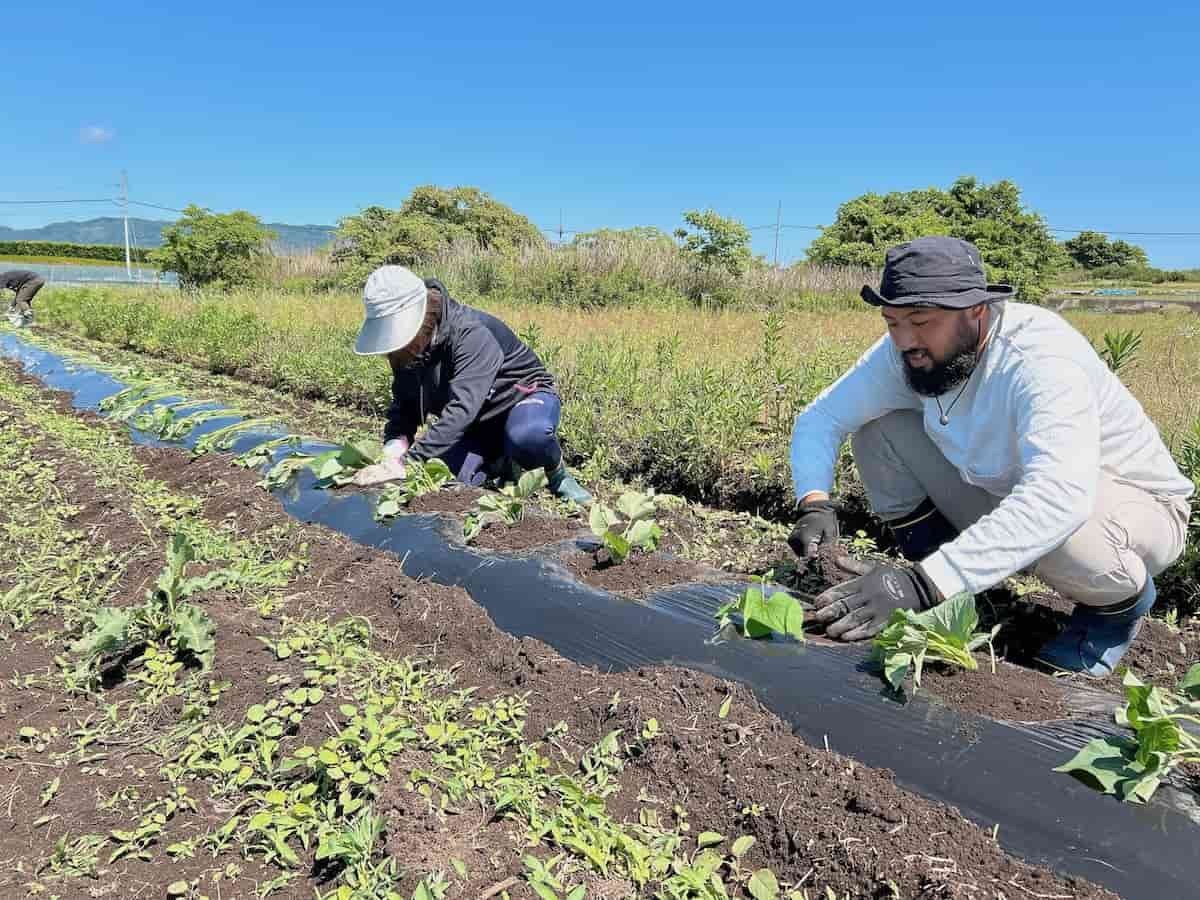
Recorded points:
949,373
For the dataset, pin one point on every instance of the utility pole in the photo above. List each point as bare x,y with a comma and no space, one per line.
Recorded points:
125,216
778,219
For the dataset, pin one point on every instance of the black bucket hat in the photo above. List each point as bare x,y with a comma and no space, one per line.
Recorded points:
935,271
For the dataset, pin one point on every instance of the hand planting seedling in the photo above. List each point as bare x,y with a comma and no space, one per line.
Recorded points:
762,615
1133,769
419,478
505,507
165,616
945,633
332,468
628,528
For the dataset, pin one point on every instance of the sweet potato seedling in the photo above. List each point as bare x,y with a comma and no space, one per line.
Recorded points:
630,527
419,478
762,615
507,506
116,633
945,633
333,468
1163,724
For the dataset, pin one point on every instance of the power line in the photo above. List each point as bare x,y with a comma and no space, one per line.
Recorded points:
1136,233
155,206
560,230
42,202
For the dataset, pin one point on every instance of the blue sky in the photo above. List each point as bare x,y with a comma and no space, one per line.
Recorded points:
617,114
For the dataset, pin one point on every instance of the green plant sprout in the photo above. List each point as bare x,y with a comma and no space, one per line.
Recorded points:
762,615
165,616
1120,349
507,506
945,633
630,527
333,468
419,478
1132,769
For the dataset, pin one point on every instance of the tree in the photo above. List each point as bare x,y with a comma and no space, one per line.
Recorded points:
471,211
207,249
431,219
1015,244
715,241
638,235
1093,250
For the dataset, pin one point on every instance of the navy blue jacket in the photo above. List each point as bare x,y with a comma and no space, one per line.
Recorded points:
475,371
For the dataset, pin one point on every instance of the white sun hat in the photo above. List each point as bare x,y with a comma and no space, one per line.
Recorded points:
394,300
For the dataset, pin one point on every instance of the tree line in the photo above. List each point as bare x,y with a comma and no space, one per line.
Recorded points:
226,250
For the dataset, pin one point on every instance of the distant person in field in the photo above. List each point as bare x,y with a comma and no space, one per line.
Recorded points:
991,439
496,405
26,284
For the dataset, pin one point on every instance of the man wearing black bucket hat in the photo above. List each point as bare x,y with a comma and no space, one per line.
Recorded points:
991,439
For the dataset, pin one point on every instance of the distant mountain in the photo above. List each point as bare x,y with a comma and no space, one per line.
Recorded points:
148,233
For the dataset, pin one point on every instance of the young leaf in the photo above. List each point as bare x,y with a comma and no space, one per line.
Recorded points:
644,534
193,631
1190,686
109,631
634,506
709,839
742,846
763,885
617,546
600,519
725,706
531,482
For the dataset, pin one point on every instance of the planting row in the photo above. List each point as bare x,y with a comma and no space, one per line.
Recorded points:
281,712
946,635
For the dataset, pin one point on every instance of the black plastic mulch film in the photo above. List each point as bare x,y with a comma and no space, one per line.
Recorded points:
995,773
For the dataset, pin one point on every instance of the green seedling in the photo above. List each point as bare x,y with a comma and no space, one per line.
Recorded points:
1120,349
419,478
505,507
167,422
1163,725
164,617
762,615
630,527
260,454
945,633
332,468
224,438
125,404
79,858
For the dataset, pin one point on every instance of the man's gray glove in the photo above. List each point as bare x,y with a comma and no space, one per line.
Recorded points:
816,525
859,608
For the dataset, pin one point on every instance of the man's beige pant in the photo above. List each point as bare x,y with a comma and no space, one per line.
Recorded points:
1131,536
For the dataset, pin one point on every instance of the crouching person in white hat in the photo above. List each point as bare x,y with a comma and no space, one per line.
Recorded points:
496,405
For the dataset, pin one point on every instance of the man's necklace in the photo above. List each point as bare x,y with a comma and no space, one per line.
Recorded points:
945,417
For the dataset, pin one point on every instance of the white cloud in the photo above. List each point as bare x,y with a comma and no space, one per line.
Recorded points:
96,134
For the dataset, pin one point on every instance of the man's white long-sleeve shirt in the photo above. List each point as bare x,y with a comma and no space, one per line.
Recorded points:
1037,422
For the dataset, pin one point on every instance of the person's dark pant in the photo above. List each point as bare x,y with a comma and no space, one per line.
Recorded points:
528,435
23,302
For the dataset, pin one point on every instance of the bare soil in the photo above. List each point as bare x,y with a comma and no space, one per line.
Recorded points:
817,815
1012,693
640,575
533,531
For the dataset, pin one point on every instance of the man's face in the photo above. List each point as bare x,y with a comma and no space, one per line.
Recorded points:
939,346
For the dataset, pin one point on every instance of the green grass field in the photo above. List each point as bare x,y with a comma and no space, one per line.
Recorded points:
14,261
698,403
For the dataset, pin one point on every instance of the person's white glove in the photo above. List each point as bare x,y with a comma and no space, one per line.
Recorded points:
390,468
